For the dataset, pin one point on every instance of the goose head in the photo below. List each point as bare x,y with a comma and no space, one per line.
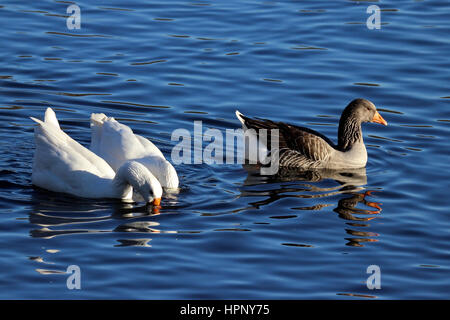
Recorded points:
362,110
142,180
357,112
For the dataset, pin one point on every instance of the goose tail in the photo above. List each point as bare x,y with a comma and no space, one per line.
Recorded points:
50,117
241,118
97,119
40,122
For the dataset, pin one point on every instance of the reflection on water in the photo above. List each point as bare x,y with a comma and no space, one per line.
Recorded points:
349,182
347,177
161,66
347,210
57,217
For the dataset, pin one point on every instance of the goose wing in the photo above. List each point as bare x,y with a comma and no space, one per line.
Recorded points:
149,147
117,143
298,146
62,164
113,141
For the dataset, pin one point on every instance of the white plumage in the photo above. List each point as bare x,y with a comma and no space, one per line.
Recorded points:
61,164
116,143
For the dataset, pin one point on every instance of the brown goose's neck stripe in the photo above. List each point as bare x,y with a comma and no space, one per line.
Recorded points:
349,133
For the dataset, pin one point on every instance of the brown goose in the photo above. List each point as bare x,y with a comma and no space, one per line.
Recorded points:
305,148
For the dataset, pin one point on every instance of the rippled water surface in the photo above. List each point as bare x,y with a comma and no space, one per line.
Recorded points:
230,232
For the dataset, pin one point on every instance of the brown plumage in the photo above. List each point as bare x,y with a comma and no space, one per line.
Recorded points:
306,148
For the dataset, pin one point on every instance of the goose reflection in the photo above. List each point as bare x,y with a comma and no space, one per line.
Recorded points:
353,177
311,184
347,210
56,215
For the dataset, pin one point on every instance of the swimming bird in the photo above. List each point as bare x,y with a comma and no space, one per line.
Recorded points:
116,143
61,164
305,148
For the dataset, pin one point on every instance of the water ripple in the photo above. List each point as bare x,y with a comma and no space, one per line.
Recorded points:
297,235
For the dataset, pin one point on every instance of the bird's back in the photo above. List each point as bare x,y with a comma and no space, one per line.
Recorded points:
297,146
116,142
58,159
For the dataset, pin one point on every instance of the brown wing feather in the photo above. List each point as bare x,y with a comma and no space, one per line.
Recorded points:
309,143
298,146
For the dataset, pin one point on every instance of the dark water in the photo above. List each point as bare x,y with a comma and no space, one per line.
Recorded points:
231,233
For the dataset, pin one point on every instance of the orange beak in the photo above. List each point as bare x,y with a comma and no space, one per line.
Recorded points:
379,119
157,201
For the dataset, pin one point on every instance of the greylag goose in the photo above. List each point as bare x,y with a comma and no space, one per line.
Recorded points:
308,149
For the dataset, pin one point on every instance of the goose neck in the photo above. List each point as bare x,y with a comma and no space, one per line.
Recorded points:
349,133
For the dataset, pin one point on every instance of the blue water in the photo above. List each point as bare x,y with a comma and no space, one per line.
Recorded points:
230,233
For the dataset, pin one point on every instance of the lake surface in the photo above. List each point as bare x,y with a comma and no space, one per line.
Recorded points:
231,233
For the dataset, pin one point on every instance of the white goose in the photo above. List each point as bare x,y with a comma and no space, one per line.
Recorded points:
116,143
61,164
